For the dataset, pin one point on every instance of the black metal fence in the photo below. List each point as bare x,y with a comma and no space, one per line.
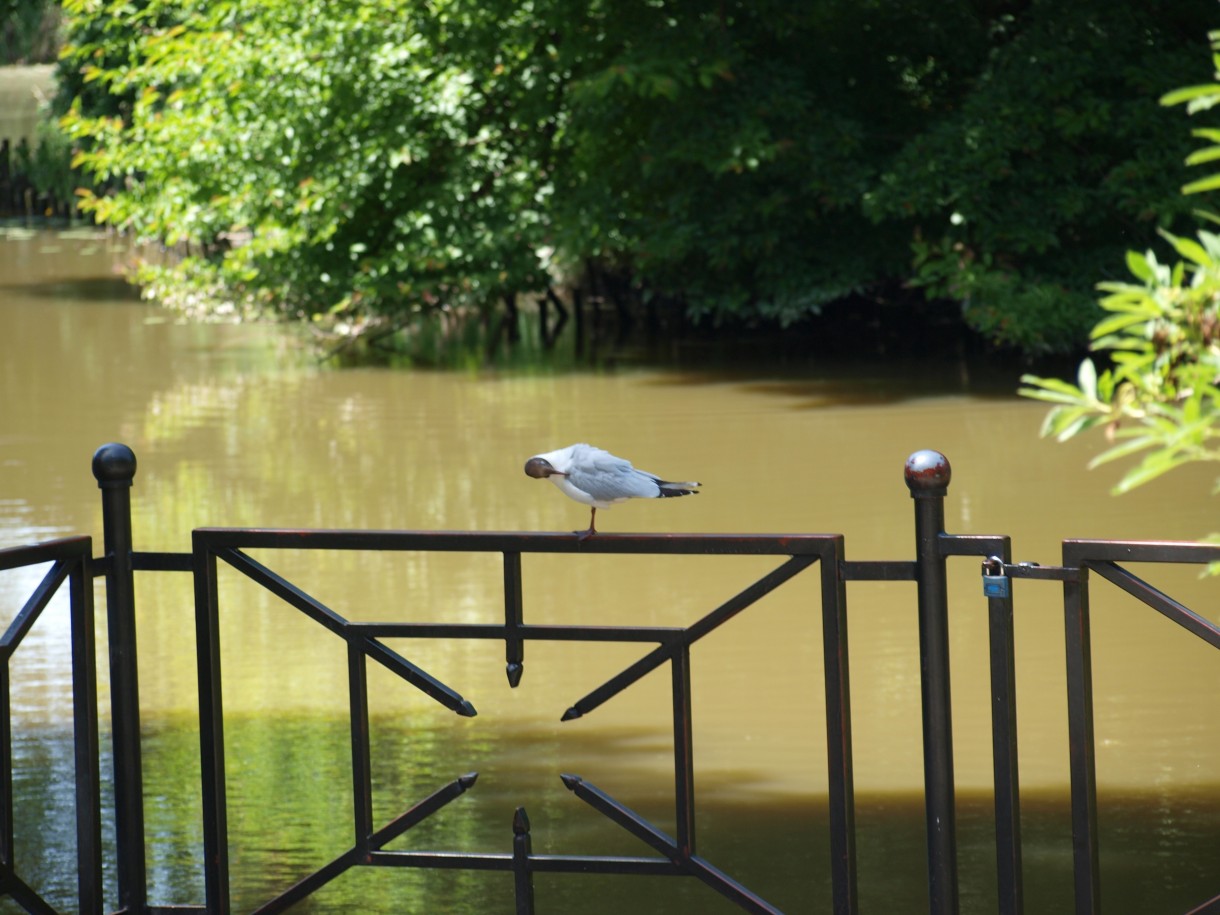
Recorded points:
927,476
70,568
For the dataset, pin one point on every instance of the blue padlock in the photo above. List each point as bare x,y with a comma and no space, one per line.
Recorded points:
995,582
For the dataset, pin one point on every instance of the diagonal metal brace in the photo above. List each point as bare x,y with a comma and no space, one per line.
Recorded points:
1160,601
353,856
686,637
332,621
649,834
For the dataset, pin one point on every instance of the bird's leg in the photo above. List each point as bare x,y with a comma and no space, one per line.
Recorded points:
585,535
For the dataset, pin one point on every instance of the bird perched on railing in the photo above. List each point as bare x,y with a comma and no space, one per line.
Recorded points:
597,478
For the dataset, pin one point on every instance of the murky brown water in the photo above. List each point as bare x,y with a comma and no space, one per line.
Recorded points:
233,426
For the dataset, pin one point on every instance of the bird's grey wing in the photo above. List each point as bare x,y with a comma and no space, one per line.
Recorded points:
608,478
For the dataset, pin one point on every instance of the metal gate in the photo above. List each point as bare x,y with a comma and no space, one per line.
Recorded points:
927,476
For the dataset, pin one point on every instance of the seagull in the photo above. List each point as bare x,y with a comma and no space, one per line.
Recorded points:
597,478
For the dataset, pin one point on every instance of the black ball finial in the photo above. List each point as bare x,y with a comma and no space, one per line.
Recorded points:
927,474
114,465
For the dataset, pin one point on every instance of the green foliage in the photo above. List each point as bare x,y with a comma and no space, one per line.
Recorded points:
1054,153
363,164
1160,396
1202,98
48,164
323,156
713,155
1037,314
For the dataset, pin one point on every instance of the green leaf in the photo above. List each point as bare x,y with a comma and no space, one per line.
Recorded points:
1076,426
1086,377
1188,248
1051,396
1200,156
1051,390
1124,449
1154,465
1139,267
1116,323
1205,184
1188,93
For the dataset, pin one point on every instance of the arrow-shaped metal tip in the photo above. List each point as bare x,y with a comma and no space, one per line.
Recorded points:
465,709
571,782
514,671
465,782
521,822
571,713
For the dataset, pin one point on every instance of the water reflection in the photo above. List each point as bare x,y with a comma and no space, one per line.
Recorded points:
290,808
233,426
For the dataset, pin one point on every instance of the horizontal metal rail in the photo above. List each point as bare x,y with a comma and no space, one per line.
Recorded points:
219,538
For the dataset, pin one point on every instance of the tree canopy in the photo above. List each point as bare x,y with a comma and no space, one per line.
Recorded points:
363,161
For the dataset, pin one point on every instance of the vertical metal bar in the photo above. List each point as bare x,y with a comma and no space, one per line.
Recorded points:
84,727
6,768
114,466
1081,754
211,728
523,876
362,778
1004,750
842,805
514,645
927,476
684,757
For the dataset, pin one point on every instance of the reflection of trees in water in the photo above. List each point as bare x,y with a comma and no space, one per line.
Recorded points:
290,793
29,31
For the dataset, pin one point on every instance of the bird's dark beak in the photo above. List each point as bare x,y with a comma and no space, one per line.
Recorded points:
538,468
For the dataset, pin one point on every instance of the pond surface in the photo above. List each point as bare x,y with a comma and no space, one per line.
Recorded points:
236,426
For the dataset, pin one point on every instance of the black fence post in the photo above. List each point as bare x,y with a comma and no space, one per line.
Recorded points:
841,792
211,728
84,728
114,466
927,476
523,877
1082,747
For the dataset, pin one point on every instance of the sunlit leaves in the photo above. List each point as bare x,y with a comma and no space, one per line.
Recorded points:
1201,98
322,152
1160,398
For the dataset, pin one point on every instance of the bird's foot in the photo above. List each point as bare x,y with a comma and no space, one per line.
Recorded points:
585,535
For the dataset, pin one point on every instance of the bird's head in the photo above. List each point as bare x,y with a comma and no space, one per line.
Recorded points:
539,468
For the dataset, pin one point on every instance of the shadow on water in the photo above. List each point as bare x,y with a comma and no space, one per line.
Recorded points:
867,383
93,291
839,358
